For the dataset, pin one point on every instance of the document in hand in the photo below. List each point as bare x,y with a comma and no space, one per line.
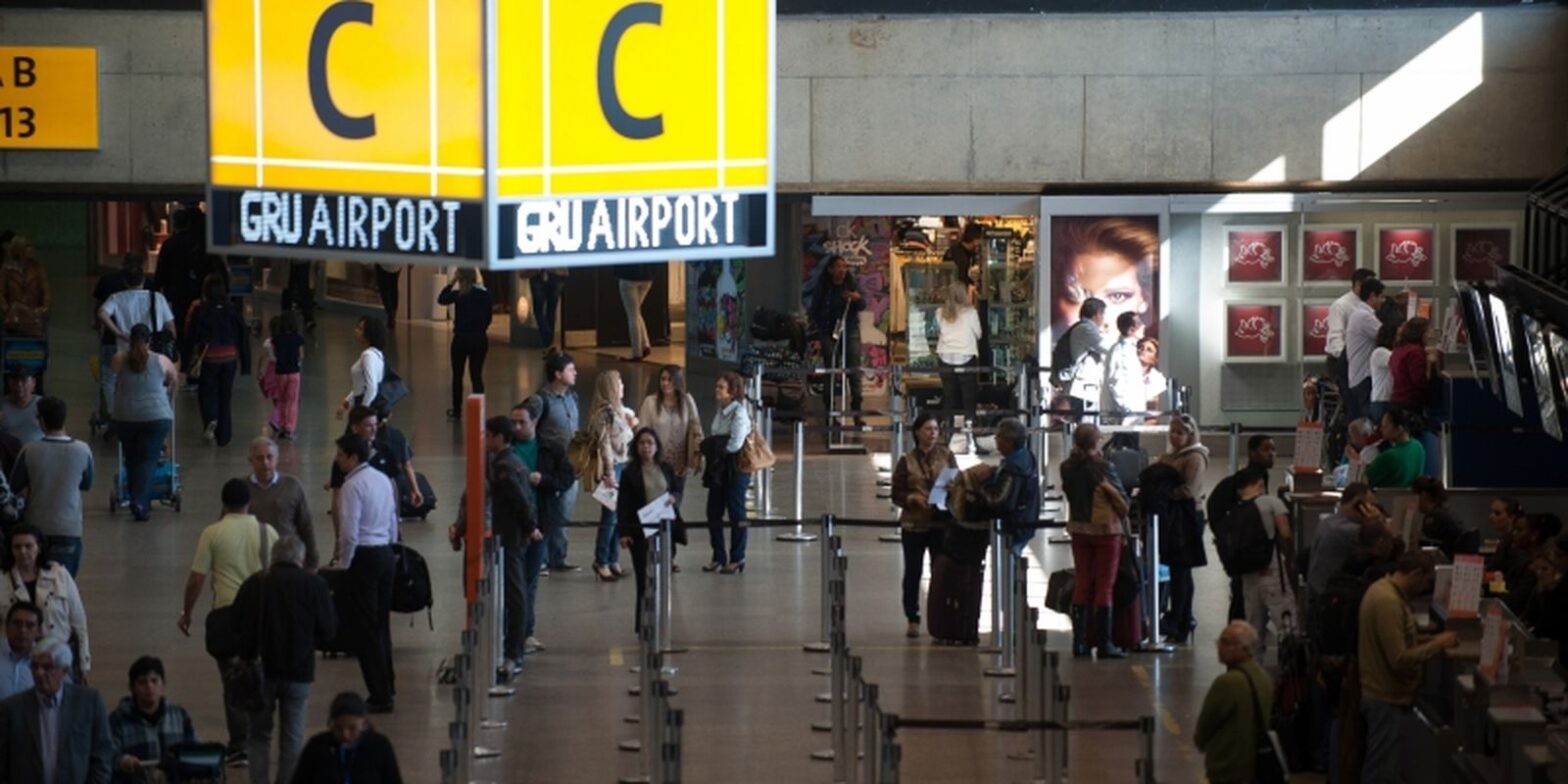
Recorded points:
606,495
661,508
938,497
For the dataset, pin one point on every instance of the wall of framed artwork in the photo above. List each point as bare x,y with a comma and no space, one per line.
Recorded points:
1330,254
1477,249
1405,254
1314,328
1256,255
1256,330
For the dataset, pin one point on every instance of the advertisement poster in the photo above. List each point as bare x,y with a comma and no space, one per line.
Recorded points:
1114,258
1314,329
1254,331
1406,254
1480,250
1329,254
865,243
718,331
1255,254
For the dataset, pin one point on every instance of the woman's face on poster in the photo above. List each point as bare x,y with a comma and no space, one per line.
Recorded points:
1111,277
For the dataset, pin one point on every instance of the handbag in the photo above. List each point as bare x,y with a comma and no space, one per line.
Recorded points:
161,341
391,390
1268,756
756,455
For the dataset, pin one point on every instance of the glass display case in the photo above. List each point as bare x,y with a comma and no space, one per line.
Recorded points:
1008,286
926,279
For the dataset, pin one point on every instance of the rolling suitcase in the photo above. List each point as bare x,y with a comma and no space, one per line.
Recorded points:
953,603
408,510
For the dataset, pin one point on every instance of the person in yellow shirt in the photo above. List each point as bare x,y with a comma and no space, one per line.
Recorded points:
1390,655
231,550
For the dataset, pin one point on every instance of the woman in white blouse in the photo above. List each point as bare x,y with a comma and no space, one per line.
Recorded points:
958,345
672,413
33,578
722,476
368,370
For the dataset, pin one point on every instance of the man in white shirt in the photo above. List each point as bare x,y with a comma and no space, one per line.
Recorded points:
135,305
1338,317
367,527
1360,338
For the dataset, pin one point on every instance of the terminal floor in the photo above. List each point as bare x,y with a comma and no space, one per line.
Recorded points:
745,686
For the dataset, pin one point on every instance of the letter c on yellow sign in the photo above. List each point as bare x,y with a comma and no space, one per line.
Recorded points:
327,110
609,99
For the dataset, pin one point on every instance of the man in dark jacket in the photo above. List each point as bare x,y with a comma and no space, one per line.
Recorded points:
1224,497
549,475
282,615
1014,488
514,521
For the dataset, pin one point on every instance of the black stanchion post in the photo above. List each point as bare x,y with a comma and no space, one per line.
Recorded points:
1445,454
854,704
1145,765
823,645
1235,447
872,742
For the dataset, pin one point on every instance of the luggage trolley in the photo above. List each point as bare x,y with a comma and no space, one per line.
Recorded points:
165,478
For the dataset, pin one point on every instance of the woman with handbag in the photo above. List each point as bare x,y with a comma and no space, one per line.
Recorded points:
610,425
1181,537
371,366
722,474
222,341
36,579
144,388
649,476
920,522
672,413
1097,511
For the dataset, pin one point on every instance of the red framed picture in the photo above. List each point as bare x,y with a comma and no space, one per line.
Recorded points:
1329,254
1406,254
1255,331
1255,255
1314,328
1480,249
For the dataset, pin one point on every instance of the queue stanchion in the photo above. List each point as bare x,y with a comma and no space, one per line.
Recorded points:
766,502
999,588
666,585
836,601
1013,573
1151,595
498,685
799,468
824,642
1145,764
895,454
837,686
1235,447
480,665
1027,685
1445,454
870,744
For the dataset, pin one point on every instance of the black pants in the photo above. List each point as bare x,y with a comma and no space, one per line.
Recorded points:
916,544
215,393
468,348
369,583
386,283
514,599
961,391
298,294
1181,592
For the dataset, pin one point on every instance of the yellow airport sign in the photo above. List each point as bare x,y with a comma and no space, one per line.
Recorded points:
48,98
511,133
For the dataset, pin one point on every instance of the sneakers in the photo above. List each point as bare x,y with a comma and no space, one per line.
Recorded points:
544,572
236,758
210,435
532,645
565,567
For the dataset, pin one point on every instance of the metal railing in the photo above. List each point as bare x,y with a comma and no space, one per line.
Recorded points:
478,675
658,745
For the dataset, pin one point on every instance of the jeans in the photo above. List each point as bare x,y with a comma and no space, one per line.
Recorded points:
468,348
1375,411
1266,599
564,502
1386,729
533,562
141,444
291,699
1096,557
238,721
545,291
916,543
1429,442
961,391
830,358
607,545
106,381
729,498
215,391
298,294
65,551
514,599
386,285
285,409
633,292
369,585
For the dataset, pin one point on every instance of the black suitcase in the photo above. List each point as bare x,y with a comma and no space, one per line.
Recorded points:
341,644
953,604
406,509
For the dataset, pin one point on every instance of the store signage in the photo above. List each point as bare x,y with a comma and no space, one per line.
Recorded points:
48,98
587,132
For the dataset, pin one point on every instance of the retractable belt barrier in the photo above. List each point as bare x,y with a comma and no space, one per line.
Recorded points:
479,657
659,743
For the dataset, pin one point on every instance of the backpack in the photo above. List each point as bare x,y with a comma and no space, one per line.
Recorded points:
411,583
1340,615
1063,362
1243,545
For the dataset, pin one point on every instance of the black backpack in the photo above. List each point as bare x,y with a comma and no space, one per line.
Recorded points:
1339,615
1062,360
1244,546
411,583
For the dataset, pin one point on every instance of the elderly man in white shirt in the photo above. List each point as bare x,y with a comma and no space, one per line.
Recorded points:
1338,318
1360,339
367,526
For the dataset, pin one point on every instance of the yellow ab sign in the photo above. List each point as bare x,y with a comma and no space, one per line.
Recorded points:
515,133
49,97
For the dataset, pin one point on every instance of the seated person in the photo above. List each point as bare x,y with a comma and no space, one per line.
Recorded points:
145,726
1546,612
1530,541
1402,458
1504,514
1438,526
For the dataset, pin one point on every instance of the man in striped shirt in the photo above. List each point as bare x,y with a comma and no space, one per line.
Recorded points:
367,527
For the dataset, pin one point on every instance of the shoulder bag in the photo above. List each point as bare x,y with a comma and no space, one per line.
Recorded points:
756,454
1269,758
390,391
161,341
242,676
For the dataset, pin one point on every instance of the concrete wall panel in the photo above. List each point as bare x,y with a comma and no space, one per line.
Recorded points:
794,130
868,48
1260,118
163,106
861,130
1052,151
1101,45
1147,128
1267,44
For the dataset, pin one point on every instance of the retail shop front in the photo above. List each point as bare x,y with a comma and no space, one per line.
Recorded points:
1234,288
